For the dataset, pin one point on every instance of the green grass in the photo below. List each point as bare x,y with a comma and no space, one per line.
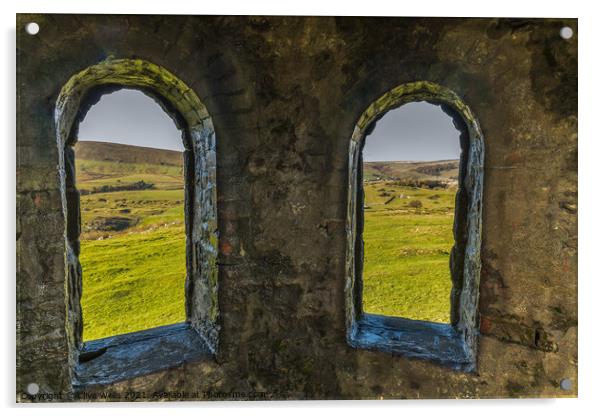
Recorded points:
145,208
406,252
133,279
97,173
105,167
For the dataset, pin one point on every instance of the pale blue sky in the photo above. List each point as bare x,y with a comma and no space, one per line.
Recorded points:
130,117
416,131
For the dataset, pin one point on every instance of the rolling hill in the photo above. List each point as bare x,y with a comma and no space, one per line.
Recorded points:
103,167
125,153
148,160
445,171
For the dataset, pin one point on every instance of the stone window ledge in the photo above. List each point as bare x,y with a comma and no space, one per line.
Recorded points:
108,360
414,339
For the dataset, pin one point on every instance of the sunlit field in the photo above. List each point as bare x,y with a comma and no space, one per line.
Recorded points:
133,252
407,242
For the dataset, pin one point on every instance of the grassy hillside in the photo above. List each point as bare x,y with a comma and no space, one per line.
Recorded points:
407,241
101,164
409,214
440,170
124,153
133,241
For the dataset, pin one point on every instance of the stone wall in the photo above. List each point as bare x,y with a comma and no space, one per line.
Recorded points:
284,95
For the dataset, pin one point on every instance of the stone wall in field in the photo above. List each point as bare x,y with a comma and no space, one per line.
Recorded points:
284,95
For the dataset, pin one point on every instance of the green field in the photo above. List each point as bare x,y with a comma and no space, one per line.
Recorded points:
133,252
407,242
133,244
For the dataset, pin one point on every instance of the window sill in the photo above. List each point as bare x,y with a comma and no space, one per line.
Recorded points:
415,339
108,360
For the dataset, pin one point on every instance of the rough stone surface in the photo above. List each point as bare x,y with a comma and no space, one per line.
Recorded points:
432,341
284,95
103,362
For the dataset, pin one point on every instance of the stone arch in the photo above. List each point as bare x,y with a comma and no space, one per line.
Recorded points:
465,263
80,92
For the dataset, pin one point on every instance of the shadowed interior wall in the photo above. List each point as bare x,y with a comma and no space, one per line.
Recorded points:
284,94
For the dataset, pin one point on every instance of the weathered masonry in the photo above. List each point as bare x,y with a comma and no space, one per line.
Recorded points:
273,111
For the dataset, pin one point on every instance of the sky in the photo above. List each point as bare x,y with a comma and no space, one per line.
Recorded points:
416,131
130,117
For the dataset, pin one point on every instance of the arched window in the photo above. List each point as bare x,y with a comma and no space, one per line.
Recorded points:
129,174
127,355
414,235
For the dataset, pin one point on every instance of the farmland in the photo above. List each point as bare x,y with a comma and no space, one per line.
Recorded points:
132,241
407,241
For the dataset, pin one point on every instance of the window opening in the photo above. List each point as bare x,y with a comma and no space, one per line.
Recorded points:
129,174
410,179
